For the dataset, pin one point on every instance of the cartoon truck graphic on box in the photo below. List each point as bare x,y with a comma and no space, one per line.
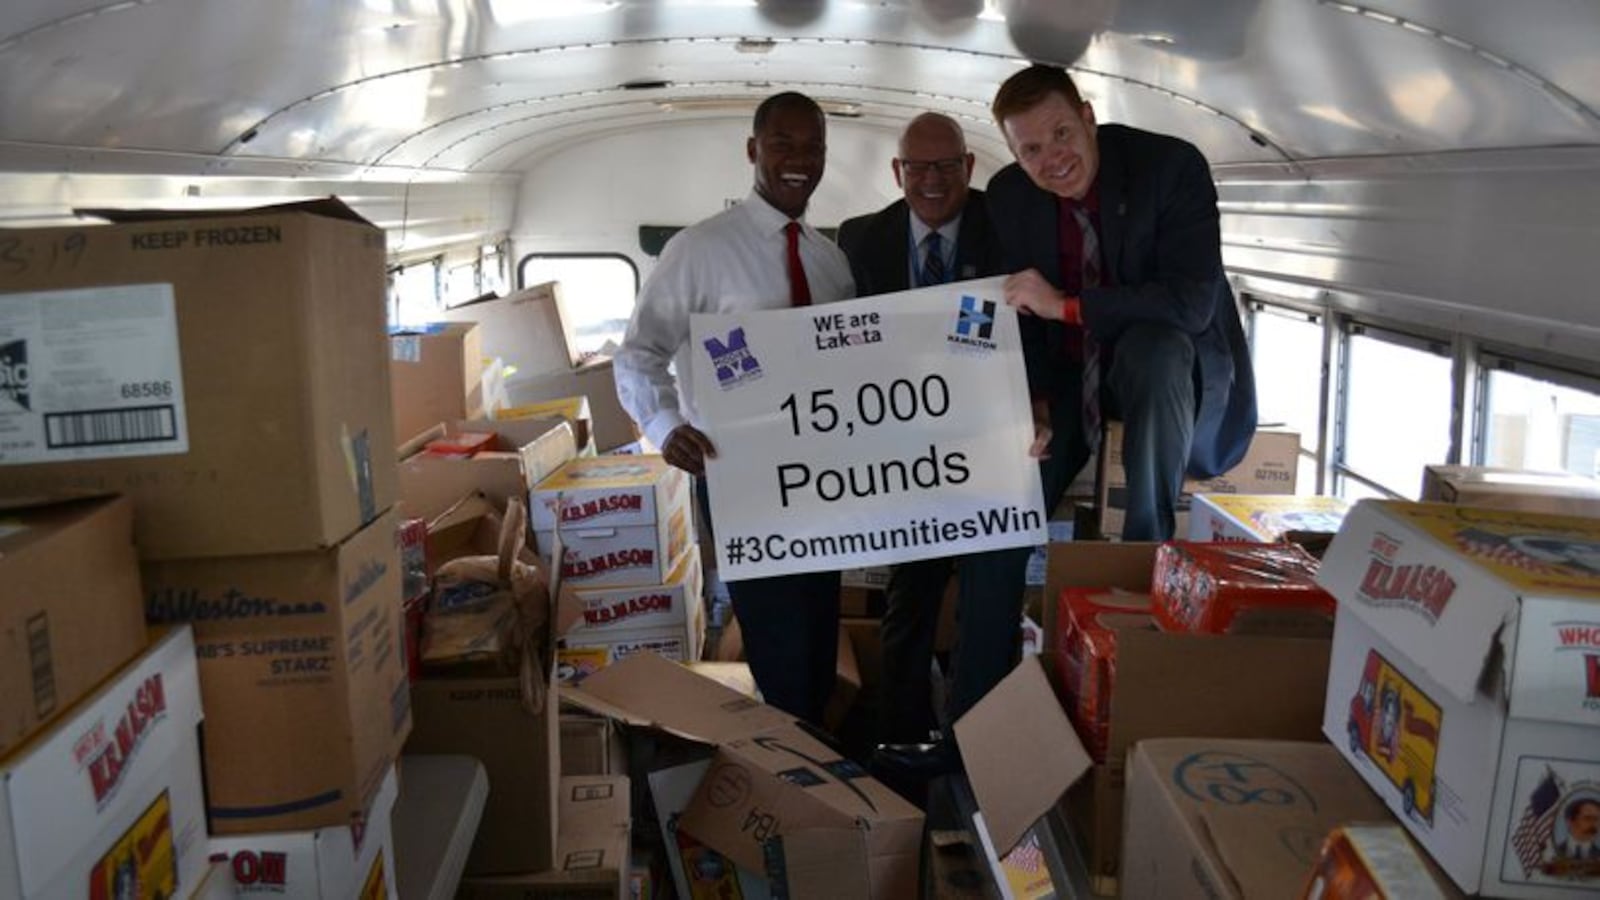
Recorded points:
1396,726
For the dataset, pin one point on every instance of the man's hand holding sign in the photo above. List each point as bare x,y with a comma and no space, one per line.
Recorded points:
869,432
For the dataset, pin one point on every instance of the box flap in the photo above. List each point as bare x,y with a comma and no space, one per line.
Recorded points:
821,862
1093,564
1440,581
649,690
1556,670
328,207
1001,739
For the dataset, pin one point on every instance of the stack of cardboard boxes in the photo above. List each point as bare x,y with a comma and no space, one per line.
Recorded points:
226,373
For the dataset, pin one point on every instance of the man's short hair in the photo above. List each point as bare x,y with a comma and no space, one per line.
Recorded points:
1028,88
776,101
1574,809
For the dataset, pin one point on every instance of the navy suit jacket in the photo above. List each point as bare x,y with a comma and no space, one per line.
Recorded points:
1161,242
879,247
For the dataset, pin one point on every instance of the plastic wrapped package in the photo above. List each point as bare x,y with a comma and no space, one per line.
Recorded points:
1234,588
1087,622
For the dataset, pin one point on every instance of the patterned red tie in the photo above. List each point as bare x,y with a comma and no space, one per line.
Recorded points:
1091,347
799,290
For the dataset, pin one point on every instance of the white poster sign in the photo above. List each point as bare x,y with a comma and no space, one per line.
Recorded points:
875,431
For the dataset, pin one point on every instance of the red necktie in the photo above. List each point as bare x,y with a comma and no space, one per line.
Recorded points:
1091,347
799,290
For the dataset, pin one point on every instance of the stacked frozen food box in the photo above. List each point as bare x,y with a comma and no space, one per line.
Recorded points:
227,372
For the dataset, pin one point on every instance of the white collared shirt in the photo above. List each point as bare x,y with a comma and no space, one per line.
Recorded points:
947,244
734,261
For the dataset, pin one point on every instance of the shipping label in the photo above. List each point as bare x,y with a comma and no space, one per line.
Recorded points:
93,373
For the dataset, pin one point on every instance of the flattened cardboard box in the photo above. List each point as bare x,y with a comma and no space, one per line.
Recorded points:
1168,685
573,409
435,375
1465,686
107,802
267,353
524,452
775,799
303,670
1234,819
70,608
593,857
1270,466
334,863
1555,493
528,329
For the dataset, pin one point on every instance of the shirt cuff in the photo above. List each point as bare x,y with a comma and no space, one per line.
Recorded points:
660,425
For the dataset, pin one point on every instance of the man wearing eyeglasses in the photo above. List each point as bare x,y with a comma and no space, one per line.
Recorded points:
938,233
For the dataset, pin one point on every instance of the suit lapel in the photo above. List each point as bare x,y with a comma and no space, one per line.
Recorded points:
970,248
1113,205
894,263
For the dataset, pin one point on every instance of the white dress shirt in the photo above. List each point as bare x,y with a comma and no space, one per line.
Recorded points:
734,261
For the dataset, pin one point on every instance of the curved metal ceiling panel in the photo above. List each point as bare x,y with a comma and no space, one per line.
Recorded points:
492,84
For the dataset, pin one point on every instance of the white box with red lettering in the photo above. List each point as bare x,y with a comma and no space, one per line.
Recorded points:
1262,518
623,519
323,864
668,619
107,803
1465,686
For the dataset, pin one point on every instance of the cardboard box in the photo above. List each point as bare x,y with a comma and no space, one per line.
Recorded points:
595,380
1262,518
435,375
229,344
1233,819
303,671
1374,860
528,330
1465,684
332,863
698,871
590,745
668,619
624,519
775,799
1557,493
573,409
673,604
487,717
107,802
70,608
1270,466
1167,685
525,451
593,857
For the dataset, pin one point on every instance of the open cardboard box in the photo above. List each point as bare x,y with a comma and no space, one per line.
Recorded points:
1022,754
776,799
523,453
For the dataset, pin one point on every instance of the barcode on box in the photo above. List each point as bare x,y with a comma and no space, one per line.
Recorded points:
99,427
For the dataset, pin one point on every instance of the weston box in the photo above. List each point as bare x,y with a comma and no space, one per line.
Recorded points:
303,670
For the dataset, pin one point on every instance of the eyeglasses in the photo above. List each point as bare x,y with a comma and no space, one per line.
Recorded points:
920,167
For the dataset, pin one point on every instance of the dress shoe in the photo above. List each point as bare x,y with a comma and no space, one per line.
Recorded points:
908,768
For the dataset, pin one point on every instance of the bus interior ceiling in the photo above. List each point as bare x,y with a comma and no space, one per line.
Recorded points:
1433,165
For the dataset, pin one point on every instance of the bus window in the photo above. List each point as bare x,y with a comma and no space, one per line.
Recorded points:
1549,423
414,294
1288,344
598,291
1396,412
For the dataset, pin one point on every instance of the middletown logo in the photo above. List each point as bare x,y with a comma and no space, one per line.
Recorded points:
734,362
14,378
974,324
